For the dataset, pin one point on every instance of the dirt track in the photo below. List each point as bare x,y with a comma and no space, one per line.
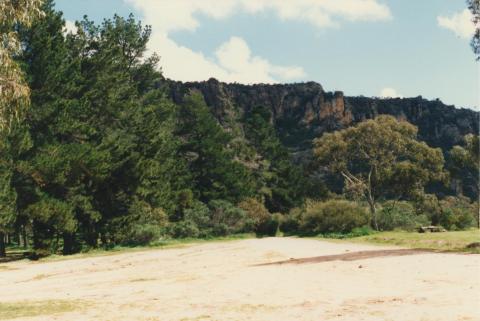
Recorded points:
230,281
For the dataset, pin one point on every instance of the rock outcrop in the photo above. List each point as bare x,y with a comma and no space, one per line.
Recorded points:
304,111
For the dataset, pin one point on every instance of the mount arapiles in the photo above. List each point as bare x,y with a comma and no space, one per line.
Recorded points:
303,111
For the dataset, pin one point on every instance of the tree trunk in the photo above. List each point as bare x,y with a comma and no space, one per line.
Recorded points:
371,199
42,239
3,252
24,236
68,243
373,211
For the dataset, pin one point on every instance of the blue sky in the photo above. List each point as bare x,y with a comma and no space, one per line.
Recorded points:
362,47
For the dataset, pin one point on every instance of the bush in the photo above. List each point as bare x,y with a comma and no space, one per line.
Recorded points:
271,226
291,222
183,229
429,206
142,225
219,218
453,213
226,219
140,234
256,212
457,213
333,216
400,215
143,213
199,217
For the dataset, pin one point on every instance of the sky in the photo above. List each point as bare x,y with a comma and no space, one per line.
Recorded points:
383,48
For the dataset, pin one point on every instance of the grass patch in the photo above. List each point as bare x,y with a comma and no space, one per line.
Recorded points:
13,310
445,241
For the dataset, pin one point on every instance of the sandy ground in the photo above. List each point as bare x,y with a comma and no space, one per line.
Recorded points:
230,281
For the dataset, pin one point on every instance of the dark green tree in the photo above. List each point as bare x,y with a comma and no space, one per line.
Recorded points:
464,166
205,144
282,183
102,132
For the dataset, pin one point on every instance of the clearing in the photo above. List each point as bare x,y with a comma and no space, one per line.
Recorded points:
253,279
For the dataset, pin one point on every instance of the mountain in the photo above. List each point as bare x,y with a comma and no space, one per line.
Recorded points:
303,111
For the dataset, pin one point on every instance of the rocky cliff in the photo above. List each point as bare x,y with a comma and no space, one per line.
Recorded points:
304,111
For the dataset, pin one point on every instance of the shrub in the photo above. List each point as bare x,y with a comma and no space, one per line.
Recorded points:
333,216
429,206
183,229
256,211
291,222
226,219
401,215
457,213
142,225
198,215
140,234
271,226
219,218
453,213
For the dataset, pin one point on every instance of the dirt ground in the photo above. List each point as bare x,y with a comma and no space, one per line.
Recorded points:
308,280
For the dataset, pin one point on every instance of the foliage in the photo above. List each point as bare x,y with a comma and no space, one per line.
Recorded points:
333,216
104,157
219,218
226,219
14,92
255,210
138,234
380,158
400,215
464,164
457,213
141,226
282,183
474,6
428,205
292,220
270,227
183,229
215,172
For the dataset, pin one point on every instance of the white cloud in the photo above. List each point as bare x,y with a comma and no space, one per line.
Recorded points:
70,27
233,60
460,23
389,93
235,57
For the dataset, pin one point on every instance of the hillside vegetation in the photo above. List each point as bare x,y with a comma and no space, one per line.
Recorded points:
110,153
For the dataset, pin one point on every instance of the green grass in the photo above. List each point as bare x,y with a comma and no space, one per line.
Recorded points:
24,309
444,241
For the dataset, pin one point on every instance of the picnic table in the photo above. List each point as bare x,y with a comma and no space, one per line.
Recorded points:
430,229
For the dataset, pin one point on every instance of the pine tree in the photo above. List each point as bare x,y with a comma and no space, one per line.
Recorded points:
215,172
281,182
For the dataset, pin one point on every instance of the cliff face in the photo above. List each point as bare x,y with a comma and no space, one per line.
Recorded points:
304,111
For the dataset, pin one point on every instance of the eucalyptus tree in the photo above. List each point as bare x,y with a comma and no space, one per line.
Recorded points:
14,97
380,158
